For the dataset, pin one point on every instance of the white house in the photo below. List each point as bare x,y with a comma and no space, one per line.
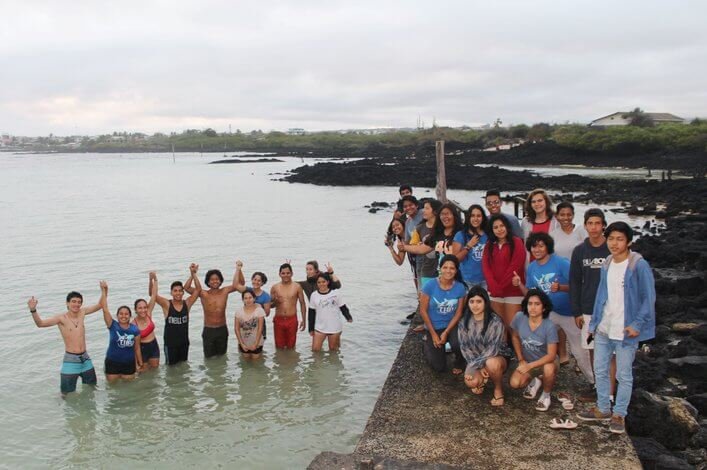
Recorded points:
617,119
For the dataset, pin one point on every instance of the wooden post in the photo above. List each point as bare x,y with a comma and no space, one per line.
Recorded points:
441,188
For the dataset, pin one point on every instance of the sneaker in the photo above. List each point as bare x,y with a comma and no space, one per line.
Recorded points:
589,395
543,403
532,389
617,425
593,414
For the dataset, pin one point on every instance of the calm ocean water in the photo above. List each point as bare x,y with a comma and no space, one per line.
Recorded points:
70,220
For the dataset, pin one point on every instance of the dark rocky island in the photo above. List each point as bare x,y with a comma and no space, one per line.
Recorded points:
240,160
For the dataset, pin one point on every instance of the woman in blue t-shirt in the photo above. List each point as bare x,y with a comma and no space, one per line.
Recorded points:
441,306
123,357
535,344
469,245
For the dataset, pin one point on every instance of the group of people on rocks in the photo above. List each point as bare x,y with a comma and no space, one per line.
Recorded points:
132,343
496,290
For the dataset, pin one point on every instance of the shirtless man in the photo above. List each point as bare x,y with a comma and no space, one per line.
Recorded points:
213,301
285,296
76,361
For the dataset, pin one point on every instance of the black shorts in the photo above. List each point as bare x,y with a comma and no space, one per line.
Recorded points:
215,340
176,354
119,368
150,350
258,350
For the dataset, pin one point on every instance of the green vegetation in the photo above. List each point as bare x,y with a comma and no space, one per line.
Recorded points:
641,136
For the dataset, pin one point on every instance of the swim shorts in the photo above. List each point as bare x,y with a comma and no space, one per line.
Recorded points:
73,367
150,350
285,331
176,354
119,368
258,350
215,340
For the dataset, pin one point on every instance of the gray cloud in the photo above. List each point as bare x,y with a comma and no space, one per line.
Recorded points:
81,67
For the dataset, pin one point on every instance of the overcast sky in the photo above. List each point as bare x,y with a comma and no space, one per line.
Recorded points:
86,67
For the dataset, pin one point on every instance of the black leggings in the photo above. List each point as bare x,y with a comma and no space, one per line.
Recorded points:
437,357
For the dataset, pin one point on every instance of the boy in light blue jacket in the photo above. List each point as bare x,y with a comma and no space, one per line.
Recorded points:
624,314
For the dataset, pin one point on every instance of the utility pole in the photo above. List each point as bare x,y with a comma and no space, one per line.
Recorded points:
441,188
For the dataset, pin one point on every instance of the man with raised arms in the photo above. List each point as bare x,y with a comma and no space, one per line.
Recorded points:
285,296
213,301
76,363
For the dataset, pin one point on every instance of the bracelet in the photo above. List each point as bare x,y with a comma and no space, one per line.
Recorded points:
33,311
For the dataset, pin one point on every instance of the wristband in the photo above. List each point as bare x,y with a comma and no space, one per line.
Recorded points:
33,310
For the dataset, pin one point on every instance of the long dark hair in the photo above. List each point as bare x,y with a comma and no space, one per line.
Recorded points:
492,236
438,227
390,227
467,219
488,311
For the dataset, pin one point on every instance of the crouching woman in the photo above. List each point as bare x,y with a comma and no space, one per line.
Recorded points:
482,341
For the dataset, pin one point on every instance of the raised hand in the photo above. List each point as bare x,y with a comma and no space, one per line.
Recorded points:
239,264
32,303
329,268
193,268
153,275
104,286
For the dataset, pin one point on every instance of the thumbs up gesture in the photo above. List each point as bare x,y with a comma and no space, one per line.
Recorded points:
516,279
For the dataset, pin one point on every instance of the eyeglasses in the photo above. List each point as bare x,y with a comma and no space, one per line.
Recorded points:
493,203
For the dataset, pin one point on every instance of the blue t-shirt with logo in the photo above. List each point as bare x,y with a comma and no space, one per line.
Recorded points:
542,277
443,303
263,298
471,265
122,342
534,343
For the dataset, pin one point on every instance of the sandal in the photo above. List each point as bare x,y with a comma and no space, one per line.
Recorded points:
563,424
497,401
566,400
543,404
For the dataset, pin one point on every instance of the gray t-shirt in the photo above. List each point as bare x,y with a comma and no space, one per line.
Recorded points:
426,265
534,343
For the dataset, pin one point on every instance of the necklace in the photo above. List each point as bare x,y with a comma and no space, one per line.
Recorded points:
75,323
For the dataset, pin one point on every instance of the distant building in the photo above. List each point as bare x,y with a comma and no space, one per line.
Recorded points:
617,119
296,131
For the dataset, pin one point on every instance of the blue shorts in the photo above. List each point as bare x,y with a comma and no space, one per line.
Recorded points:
73,367
150,350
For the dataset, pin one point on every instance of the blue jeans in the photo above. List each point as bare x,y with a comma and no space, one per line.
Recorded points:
604,348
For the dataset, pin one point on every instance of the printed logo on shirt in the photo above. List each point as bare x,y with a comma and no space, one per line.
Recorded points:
446,306
593,263
125,341
545,281
533,345
477,251
177,320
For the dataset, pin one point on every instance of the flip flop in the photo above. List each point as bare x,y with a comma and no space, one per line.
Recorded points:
497,401
563,424
566,400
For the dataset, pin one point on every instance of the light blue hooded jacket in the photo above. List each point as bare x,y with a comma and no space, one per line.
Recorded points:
639,298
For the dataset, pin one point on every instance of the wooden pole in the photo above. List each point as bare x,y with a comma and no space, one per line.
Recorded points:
441,189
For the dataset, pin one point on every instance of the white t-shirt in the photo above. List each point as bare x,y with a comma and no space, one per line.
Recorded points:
249,326
329,318
612,322
565,243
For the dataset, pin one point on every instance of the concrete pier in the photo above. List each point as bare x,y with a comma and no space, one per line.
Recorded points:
427,420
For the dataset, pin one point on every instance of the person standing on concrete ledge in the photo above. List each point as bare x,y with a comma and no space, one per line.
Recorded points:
441,305
494,204
624,314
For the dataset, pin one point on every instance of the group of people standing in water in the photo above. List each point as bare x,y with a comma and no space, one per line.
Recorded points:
495,290
132,343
